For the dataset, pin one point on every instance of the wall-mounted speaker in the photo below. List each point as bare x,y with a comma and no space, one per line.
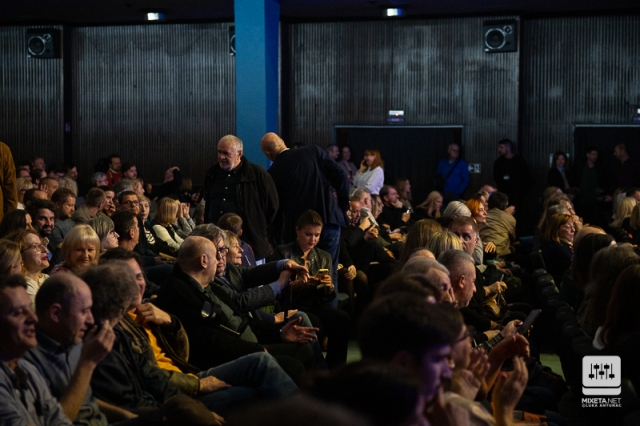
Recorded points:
500,36
232,40
43,43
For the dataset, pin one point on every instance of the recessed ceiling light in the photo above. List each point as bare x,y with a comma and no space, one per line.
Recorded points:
390,12
155,16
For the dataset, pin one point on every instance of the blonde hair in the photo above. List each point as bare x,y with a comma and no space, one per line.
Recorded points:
623,211
443,241
79,234
429,203
167,211
9,256
635,217
23,184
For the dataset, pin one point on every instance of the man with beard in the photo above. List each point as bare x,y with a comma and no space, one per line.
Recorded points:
64,201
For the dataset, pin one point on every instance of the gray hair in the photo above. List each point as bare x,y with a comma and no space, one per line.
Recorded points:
122,185
96,177
422,266
236,142
454,261
114,289
456,208
209,231
102,225
70,184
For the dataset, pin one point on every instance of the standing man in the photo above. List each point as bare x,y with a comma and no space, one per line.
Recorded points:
625,171
511,173
235,185
307,178
455,172
8,195
591,181
333,151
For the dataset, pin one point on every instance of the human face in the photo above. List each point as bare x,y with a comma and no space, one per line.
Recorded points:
334,152
144,210
76,318
392,196
617,152
468,237
228,156
503,149
23,173
235,252
566,231
592,156
111,241
136,234
44,222
17,323
438,203
102,182
308,236
83,255
39,164
66,209
34,254
27,218
73,173
115,164
346,153
560,162
441,280
109,207
453,151
356,206
132,173
461,348
137,188
407,186
140,282
434,367
469,288
130,203
52,186
221,256
369,158
481,217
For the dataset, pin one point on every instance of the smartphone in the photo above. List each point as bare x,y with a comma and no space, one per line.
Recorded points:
526,325
408,211
322,272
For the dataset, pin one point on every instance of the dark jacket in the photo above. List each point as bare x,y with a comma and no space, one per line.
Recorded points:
554,178
392,216
307,178
257,203
126,379
249,286
309,296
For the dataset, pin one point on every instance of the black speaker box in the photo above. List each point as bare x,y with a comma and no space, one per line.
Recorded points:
43,43
500,36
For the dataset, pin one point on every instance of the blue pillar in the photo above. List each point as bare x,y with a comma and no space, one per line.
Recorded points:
257,43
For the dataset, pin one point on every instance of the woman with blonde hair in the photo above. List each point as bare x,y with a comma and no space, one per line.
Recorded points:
430,208
632,224
371,172
443,241
163,228
10,258
22,186
103,226
623,211
35,258
418,238
403,186
80,249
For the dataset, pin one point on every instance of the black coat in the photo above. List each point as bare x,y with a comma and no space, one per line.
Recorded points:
307,178
257,204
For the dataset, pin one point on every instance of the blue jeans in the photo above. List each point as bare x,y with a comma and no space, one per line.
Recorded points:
252,376
330,242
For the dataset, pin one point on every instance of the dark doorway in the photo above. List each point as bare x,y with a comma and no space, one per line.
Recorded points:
410,152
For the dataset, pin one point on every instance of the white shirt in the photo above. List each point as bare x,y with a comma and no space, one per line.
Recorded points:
371,180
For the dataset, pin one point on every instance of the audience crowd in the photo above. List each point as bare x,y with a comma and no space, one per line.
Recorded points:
132,303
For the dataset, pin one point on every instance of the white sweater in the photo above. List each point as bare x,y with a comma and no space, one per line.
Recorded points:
371,179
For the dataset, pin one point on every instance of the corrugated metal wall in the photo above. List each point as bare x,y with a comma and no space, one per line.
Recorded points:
575,71
31,119
435,70
160,95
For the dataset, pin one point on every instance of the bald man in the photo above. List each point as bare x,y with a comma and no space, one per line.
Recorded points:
307,178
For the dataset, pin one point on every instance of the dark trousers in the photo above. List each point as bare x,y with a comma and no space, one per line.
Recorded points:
336,325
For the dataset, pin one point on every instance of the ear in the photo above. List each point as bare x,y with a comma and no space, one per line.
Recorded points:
55,312
404,359
459,283
204,261
239,153
132,233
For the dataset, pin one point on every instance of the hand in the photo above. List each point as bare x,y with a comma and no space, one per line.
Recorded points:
211,384
390,253
299,270
328,283
508,388
351,272
491,334
365,223
44,187
218,419
151,313
160,260
185,210
279,317
440,412
505,271
464,383
363,166
511,328
284,279
97,343
395,236
495,288
489,247
509,348
371,234
293,333
398,204
406,217
511,210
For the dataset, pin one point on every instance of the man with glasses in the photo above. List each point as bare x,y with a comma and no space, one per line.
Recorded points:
91,208
129,201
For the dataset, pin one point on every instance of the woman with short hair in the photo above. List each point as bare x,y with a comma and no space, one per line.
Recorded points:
80,249
10,258
163,228
103,226
35,258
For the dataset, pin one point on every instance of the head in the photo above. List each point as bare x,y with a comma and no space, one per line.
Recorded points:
623,210
478,211
95,198
114,290
17,319
417,284
271,144
346,153
462,345
104,228
125,226
109,206
454,151
333,151
38,163
49,185
498,200
22,186
72,171
80,248
123,185
167,212
68,183
134,261
219,239
559,159
586,230
462,272
229,152
115,163
364,196
433,203
373,159
456,209
99,179
354,212
443,241
197,257
389,195
231,222
505,147
434,273
14,220
308,230
559,227
145,207
129,171
592,154
129,201
403,186
10,258
409,332
418,237
584,250
620,151
64,202
467,230
42,216
235,248
32,250
63,305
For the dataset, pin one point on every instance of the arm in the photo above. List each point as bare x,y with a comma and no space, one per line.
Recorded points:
163,235
270,201
114,414
337,178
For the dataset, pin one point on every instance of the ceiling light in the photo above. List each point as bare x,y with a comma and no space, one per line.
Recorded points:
393,12
155,16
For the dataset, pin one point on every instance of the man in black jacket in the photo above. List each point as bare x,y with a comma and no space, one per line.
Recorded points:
235,185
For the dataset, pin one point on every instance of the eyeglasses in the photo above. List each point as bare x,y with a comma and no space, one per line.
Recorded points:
131,203
38,246
221,252
112,232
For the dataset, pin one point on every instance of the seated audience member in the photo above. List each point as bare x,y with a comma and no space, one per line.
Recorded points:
162,340
22,186
80,249
72,171
145,225
479,215
364,196
631,225
233,223
605,268
38,163
42,215
129,170
10,258
198,214
163,229
70,347
124,378
313,299
403,186
434,273
109,207
49,185
138,186
113,173
408,331
183,224
91,208
64,203
56,170
24,173
418,237
37,174
394,215
34,258
104,228
99,179
218,333
456,209
623,212
123,185
430,208
14,220
25,398
33,194
557,246
409,283
68,183
500,227
443,241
